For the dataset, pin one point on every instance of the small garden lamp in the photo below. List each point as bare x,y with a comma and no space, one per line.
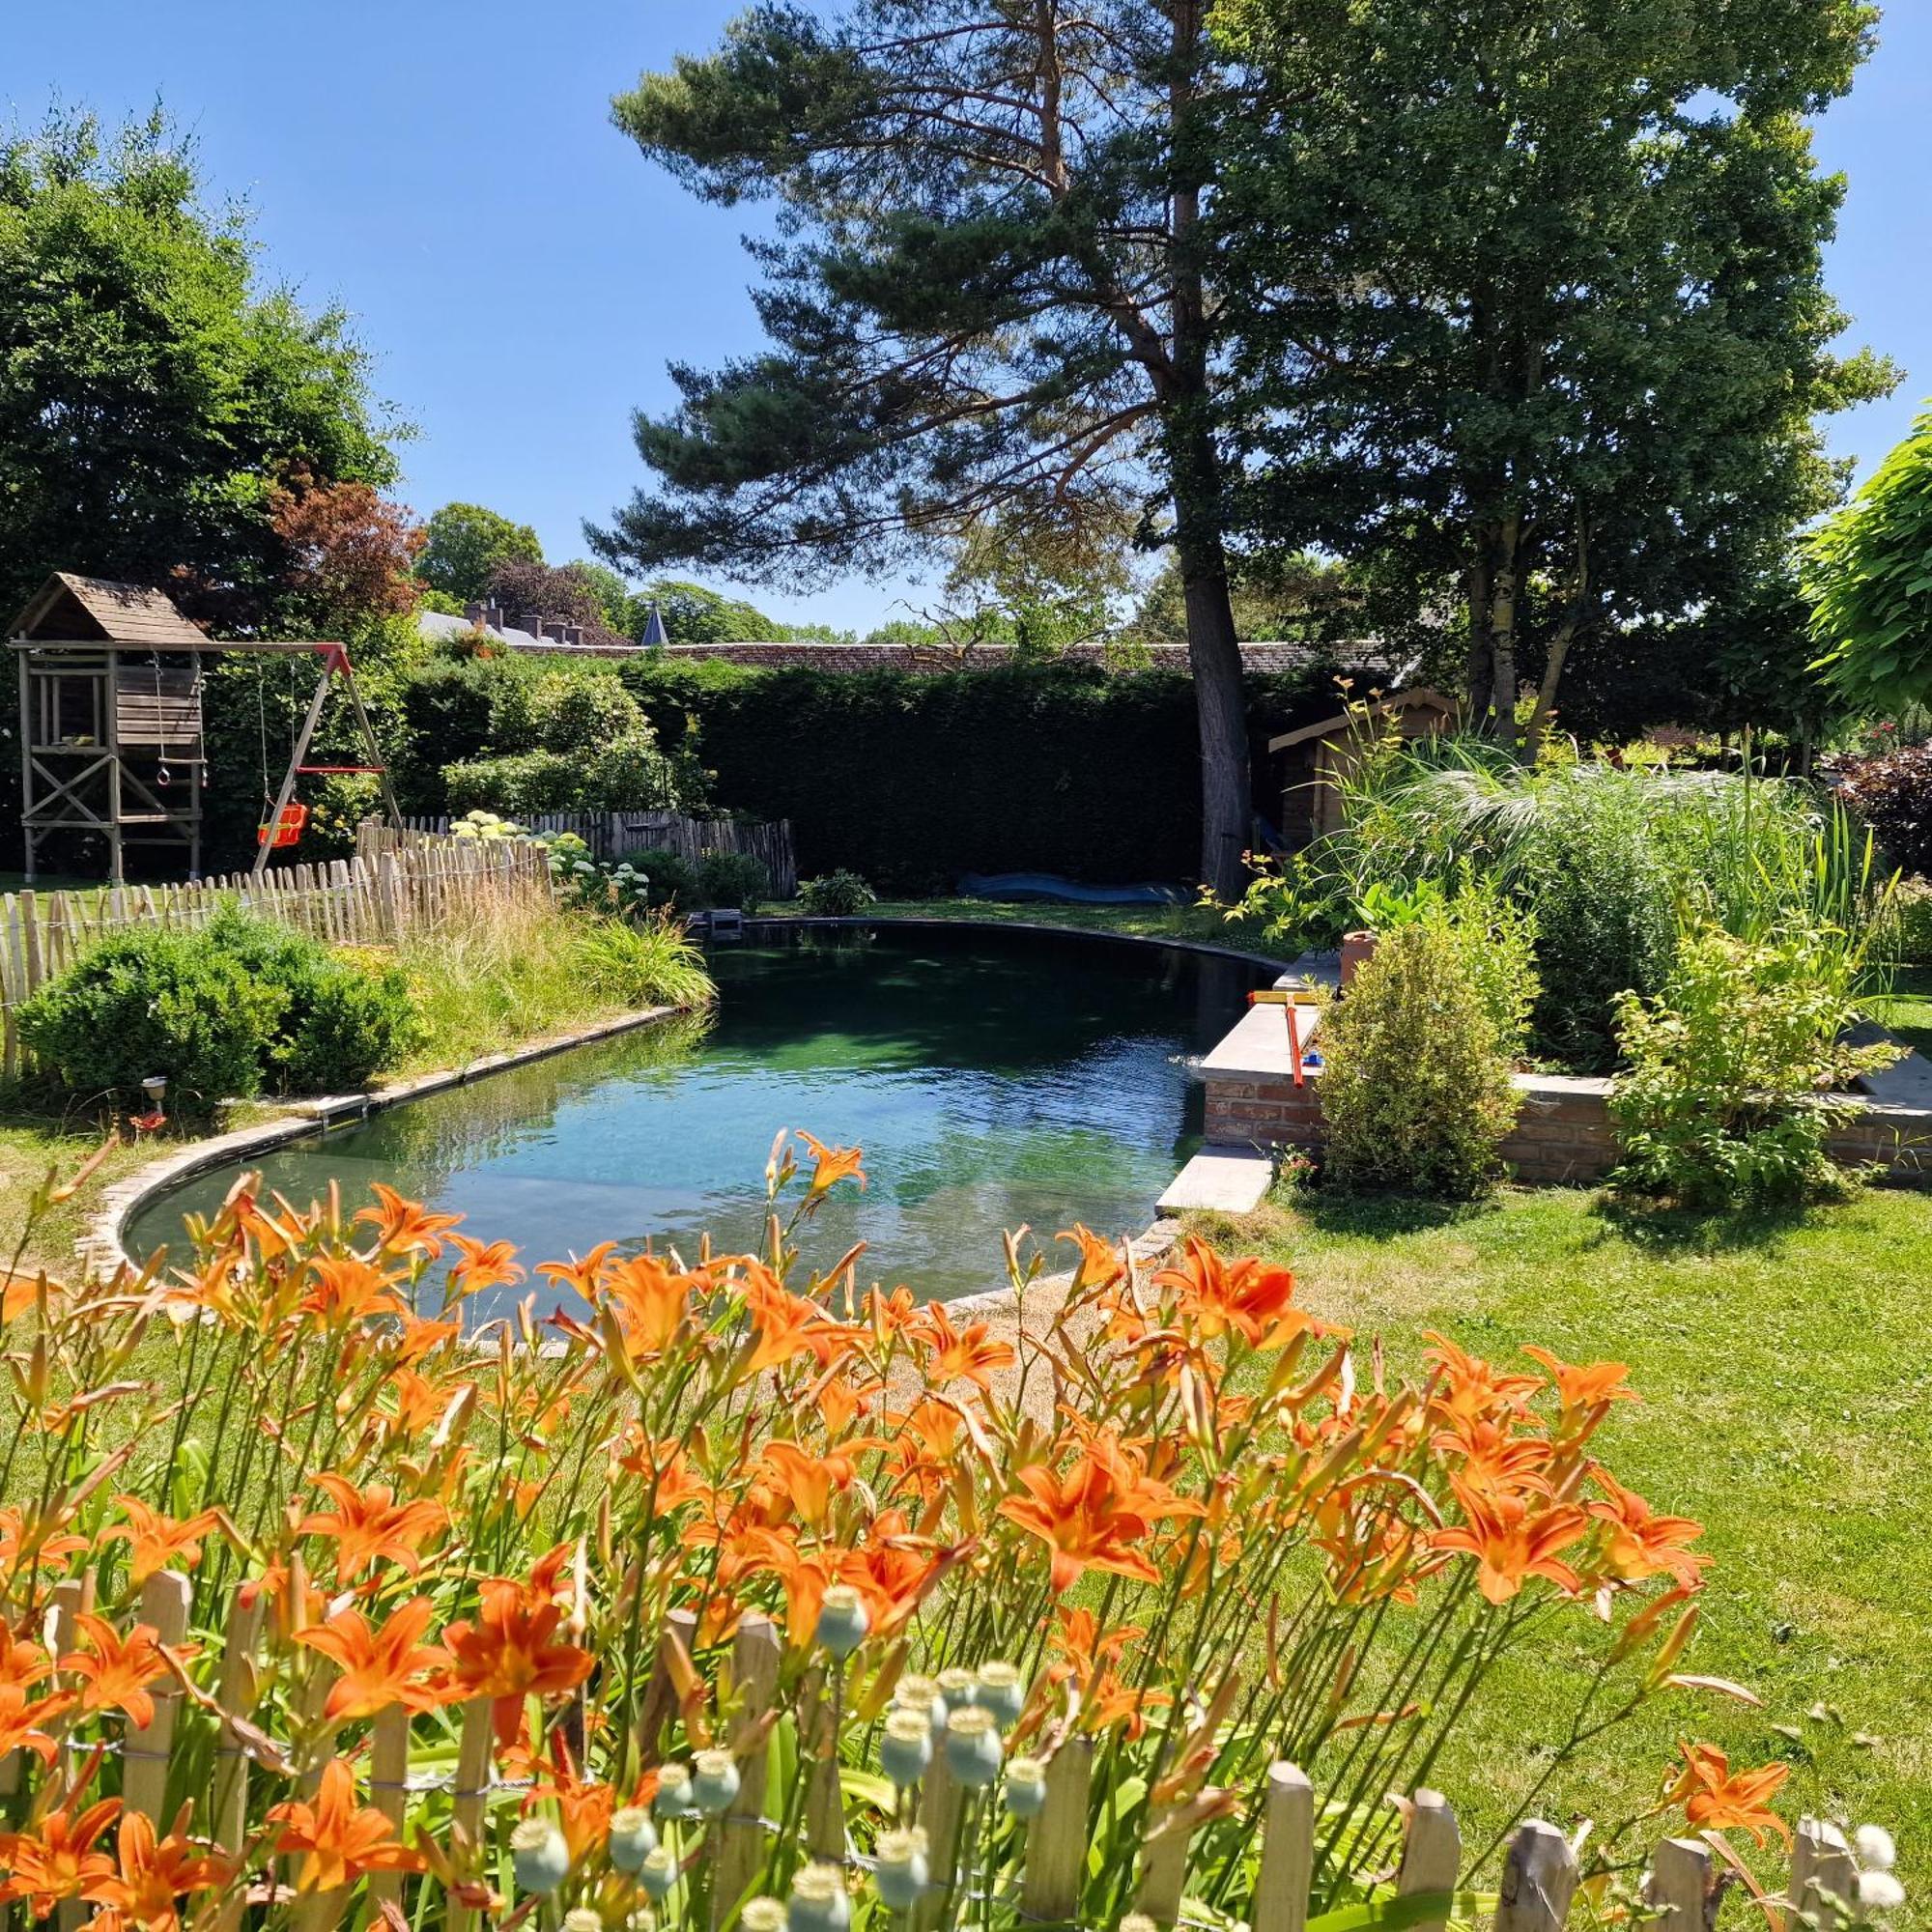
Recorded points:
156,1088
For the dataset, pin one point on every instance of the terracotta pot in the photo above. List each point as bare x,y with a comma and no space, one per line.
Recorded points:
1356,947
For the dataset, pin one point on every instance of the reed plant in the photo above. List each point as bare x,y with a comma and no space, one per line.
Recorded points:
726,1594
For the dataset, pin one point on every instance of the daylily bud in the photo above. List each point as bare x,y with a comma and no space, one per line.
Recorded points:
819,1901
581,1918
633,1837
539,1856
673,1799
900,1868
658,1871
972,1751
1002,1691
842,1622
762,1914
1025,1788
905,1750
714,1780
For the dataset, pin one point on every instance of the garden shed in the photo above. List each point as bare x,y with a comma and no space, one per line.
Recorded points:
1316,757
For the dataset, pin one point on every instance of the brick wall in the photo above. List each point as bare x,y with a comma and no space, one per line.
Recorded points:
1563,1132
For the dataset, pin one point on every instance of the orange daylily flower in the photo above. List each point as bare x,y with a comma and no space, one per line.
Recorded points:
115,1671
510,1650
583,1274
155,1541
337,1839
1717,1798
419,1402
1511,1541
23,1721
23,1662
370,1523
1641,1542
57,1858
419,1336
482,1266
1099,1264
1093,1516
32,1541
785,1326
344,1287
406,1227
650,1300
1250,1297
379,1667
956,1354
832,1165
1468,1386
1581,1387
154,1874
1489,1454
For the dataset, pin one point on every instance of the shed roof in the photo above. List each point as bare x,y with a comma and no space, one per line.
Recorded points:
1421,698
85,609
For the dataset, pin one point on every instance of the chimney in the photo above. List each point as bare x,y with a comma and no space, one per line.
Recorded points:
573,634
472,613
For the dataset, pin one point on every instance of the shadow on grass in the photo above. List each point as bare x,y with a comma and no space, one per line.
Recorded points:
1667,1229
1337,1211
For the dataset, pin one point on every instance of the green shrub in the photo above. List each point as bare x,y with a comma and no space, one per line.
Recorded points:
242,1007
732,879
1734,1065
583,712
1906,937
836,896
1415,1083
515,784
153,1001
670,878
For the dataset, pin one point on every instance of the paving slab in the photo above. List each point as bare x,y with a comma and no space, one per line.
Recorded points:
1221,1180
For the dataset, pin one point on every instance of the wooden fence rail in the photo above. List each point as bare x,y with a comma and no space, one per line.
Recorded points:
1681,1886
610,835
369,900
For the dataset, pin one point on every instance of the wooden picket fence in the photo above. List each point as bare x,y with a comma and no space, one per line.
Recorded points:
1682,1885
610,835
369,900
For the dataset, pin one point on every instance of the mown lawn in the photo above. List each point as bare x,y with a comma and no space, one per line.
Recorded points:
1786,1370
1907,1009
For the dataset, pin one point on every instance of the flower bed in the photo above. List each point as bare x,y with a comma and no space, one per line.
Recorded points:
743,1587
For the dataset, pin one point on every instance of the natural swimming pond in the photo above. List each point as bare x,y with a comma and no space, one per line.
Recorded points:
995,1079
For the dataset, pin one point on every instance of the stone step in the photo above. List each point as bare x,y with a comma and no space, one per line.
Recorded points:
1220,1180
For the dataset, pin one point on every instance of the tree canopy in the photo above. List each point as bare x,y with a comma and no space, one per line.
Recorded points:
1868,573
1536,326
991,300
464,541
154,401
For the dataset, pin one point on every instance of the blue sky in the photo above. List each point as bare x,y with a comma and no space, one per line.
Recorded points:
449,174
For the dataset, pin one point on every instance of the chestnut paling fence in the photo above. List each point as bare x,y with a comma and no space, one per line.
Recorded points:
372,899
1682,1885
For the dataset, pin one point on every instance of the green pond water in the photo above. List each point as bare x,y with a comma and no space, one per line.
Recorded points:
994,1079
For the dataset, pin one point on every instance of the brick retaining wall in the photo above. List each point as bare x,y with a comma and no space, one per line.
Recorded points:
1563,1132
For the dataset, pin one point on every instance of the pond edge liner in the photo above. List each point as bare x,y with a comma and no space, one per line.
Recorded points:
101,1246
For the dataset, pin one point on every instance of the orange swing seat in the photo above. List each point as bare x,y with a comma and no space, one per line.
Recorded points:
287,829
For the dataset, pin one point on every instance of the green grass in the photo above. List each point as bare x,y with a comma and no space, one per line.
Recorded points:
1143,922
1907,1009
1786,1371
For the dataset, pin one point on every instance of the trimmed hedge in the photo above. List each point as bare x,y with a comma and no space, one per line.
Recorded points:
911,780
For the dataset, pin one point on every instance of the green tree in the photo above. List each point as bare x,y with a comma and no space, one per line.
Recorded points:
1536,322
1868,573
464,543
994,297
695,615
153,400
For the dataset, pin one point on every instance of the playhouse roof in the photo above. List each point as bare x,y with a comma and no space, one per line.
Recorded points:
74,608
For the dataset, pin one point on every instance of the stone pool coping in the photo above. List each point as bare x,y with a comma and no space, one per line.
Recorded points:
102,1244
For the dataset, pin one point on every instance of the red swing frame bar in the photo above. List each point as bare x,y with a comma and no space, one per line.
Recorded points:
335,664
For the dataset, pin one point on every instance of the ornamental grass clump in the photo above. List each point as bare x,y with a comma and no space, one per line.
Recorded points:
723,1592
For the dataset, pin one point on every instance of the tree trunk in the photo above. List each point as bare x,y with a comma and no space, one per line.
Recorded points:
1477,673
1215,656
1502,632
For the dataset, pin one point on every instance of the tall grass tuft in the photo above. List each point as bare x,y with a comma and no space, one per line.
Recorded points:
504,971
